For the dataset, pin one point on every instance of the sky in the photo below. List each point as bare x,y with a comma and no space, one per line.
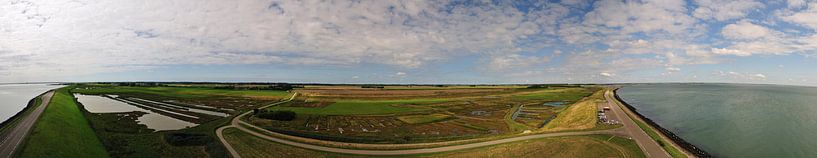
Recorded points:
385,41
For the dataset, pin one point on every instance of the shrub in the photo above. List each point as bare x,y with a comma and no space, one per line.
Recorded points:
278,115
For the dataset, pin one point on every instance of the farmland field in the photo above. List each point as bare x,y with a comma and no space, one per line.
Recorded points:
417,119
338,113
358,107
414,114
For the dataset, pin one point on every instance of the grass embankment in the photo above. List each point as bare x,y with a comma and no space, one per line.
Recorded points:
569,146
674,152
418,119
63,131
186,92
579,116
358,107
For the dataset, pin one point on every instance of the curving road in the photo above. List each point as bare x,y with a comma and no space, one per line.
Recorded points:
235,123
16,135
650,147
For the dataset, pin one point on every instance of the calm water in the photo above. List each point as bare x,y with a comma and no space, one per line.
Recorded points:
99,104
733,120
15,97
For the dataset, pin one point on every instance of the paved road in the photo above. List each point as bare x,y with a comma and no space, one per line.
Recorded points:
648,146
17,134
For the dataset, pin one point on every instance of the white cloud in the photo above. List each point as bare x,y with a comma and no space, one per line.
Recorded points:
119,33
605,74
804,18
515,61
741,76
726,51
724,9
796,3
745,30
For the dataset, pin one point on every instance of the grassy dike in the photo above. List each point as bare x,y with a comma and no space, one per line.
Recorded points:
12,121
63,131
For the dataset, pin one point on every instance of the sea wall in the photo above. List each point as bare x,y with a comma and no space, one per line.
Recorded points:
21,112
678,140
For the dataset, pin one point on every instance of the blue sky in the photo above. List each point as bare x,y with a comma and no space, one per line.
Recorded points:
471,42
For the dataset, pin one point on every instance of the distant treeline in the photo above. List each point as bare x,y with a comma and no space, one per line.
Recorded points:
553,85
277,86
236,86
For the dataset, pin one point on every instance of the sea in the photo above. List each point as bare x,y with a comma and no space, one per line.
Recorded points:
733,120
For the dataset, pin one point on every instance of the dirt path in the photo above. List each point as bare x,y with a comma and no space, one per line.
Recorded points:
16,135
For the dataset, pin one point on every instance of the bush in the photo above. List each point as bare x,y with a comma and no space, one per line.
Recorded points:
278,115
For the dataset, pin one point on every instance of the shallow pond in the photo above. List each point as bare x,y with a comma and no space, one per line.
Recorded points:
100,104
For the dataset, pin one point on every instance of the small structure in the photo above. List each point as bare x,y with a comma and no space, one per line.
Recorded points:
479,113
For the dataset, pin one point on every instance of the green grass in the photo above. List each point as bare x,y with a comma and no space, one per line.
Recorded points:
418,119
357,107
559,94
62,131
567,146
184,92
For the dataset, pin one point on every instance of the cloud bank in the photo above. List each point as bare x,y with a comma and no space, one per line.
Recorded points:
592,41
